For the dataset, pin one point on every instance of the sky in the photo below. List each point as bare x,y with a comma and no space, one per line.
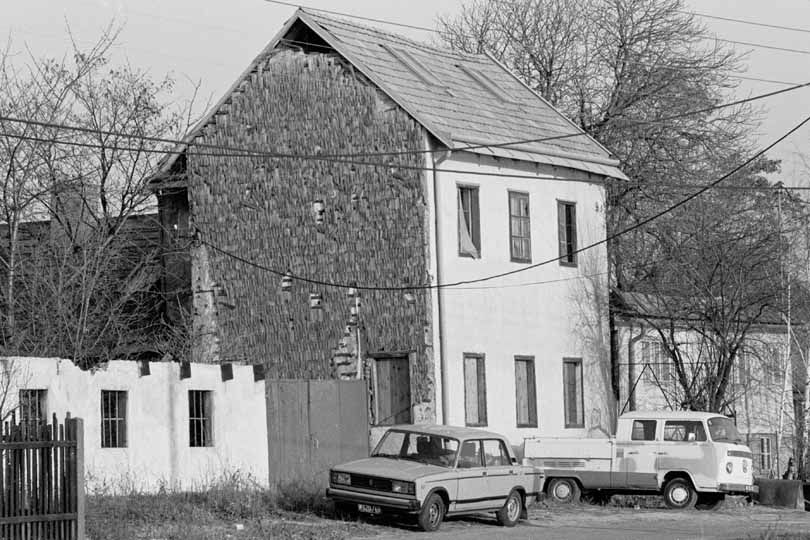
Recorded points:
210,42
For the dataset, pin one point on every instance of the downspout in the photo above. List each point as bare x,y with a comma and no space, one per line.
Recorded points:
433,161
631,364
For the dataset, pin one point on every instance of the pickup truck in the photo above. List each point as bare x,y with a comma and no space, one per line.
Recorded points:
691,458
430,471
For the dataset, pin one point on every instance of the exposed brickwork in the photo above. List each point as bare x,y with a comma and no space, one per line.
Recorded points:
373,228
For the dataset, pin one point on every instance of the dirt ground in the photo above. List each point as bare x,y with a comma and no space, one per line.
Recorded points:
608,523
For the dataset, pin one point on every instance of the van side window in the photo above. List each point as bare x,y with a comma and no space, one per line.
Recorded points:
643,430
684,430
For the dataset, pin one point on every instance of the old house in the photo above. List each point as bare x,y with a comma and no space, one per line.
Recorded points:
760,391
362,205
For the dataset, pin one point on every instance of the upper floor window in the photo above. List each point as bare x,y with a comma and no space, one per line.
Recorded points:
469,223
520,238
659,367
567,232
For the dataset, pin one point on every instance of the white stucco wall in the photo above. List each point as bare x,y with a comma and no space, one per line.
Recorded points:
565,317
158,452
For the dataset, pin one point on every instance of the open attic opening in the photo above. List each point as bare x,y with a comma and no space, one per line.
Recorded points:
302,37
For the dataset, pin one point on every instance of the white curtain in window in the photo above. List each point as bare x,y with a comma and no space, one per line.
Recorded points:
466,245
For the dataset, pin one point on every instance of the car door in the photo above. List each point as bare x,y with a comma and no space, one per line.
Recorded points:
637,457
472,477
685,447
500,472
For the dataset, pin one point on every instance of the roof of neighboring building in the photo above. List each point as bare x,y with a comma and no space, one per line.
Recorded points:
455,432
670,415
463,100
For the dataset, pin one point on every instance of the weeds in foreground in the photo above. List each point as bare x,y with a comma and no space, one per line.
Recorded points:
234,505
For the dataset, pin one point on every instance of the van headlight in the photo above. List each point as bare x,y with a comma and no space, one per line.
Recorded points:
341,478
406,488
729,467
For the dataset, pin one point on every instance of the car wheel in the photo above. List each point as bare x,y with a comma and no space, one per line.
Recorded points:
346,511
564,490
432,513
679,494
709,501
509,514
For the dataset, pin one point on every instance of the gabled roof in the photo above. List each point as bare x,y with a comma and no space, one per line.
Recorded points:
462,100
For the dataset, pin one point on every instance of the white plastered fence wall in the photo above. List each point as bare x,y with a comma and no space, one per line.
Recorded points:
157,452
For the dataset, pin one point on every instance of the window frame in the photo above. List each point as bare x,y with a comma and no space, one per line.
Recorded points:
567,257
206,420
531,391
481,389
41,400
528,218
474,231
577,423
115,424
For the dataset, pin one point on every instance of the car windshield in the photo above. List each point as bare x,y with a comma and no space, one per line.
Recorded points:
421,447
723,430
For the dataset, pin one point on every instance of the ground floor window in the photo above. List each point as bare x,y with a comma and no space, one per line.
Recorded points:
475,390
33,406
525,392
392,389
572,393
113,419
200,415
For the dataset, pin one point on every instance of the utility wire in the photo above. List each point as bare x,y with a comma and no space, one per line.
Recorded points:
440,32
751,23
607,239
247,152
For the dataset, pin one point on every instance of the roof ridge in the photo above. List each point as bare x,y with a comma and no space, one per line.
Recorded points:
426,47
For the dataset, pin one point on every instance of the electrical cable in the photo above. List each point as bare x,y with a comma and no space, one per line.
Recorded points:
607,239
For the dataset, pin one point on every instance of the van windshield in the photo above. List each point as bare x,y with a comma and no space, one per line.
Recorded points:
421,447
723,430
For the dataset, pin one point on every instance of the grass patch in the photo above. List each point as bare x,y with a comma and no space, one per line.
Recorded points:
233,506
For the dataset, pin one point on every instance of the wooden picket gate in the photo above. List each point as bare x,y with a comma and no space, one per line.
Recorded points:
42,480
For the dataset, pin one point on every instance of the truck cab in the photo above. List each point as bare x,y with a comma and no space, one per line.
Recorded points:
691,458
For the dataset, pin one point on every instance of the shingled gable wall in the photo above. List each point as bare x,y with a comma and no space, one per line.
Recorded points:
374,228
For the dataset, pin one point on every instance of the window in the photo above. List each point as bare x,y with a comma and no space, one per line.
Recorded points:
765,453
684,431
567,232
470,455
469,226
525,395
495,454
33,407
643,430
658,363
199,418
475,390
520,240
113,419
572,393
392,383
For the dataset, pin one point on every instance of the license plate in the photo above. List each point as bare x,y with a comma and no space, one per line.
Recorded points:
369,509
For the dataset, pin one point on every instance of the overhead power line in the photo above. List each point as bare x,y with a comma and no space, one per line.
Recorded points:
751,23
436,31
607,239
232,151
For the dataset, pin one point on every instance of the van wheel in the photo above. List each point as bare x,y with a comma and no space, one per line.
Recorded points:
710,501
564,490
679,494
509,514
432,513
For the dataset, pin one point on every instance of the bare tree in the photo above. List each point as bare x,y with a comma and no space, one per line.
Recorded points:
78,152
